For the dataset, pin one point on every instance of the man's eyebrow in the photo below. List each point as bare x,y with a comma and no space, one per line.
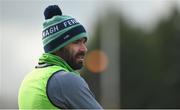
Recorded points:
84,39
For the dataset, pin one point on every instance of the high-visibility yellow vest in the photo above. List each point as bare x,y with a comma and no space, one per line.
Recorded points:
33,91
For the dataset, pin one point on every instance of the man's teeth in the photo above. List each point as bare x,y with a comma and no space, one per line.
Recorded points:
81,57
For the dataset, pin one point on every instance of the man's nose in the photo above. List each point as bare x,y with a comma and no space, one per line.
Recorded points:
83,48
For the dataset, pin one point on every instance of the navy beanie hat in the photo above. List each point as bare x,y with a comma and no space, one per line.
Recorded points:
59,30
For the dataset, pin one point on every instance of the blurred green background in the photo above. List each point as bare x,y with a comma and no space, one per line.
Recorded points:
133,58
149,75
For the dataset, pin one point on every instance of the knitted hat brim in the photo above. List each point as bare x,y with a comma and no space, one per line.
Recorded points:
77,37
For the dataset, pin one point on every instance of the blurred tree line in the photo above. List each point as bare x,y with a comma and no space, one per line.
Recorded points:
149,64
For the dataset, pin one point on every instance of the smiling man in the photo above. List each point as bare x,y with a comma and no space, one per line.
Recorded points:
54,83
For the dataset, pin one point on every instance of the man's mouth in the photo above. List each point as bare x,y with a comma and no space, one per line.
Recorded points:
80,58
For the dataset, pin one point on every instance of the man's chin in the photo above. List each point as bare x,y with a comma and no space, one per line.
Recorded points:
78,66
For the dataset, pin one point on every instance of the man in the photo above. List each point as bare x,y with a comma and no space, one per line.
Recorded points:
54,84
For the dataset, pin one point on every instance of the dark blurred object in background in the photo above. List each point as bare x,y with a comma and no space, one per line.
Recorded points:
148,62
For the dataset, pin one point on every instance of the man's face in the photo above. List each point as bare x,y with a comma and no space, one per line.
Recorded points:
74,53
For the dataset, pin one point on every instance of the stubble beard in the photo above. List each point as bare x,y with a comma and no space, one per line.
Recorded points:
71,59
